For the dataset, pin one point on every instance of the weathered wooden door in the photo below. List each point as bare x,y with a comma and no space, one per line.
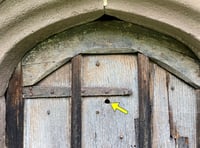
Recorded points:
72,107
77,113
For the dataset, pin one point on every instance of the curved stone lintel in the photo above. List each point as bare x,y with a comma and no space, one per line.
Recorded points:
179,19
30,22
110,37
27,22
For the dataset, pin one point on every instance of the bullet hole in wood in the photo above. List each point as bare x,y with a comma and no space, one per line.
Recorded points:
97,63
107,101
172,88
121,137
48,112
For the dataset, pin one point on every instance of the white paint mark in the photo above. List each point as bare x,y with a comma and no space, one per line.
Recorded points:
105,2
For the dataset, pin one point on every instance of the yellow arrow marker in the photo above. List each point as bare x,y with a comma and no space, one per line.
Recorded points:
115,106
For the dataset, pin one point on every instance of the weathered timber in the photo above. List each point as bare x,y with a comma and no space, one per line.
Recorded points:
198,118
160,110
47,122
101,126
59,78
14,111
60,92
46,92
105,91
144,102
2,122
183,142
76,103
105,38
174,134
182,110
136,132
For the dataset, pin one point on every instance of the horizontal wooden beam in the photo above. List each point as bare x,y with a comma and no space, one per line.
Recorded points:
61,92
46,92
104,91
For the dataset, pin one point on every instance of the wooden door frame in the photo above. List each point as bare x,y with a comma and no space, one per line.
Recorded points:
15,110
126,50
15,106
15,43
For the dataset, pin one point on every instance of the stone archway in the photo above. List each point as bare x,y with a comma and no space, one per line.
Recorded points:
28,23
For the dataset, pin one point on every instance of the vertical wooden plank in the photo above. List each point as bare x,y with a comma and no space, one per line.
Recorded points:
101,126
14,110
137,132
160,111
76,103
182,142
60,77
182,103
2,121
198,118
47,122
144,102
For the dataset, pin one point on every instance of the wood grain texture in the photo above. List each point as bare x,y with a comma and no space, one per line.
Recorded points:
59,78
105,91
60,92
46,92
76,103
47,122
198,118
144,102
183,142
14,110
136,132
182,103
101,126
2,122
160,110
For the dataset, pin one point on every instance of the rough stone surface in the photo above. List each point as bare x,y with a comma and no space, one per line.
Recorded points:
107,37
27,22
2,122
179,19
24,23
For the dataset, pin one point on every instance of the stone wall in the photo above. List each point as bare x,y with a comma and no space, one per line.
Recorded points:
25,23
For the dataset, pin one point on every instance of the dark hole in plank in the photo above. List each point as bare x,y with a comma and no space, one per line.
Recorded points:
48,112
107,101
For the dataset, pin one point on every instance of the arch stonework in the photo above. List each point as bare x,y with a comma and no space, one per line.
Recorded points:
25,23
